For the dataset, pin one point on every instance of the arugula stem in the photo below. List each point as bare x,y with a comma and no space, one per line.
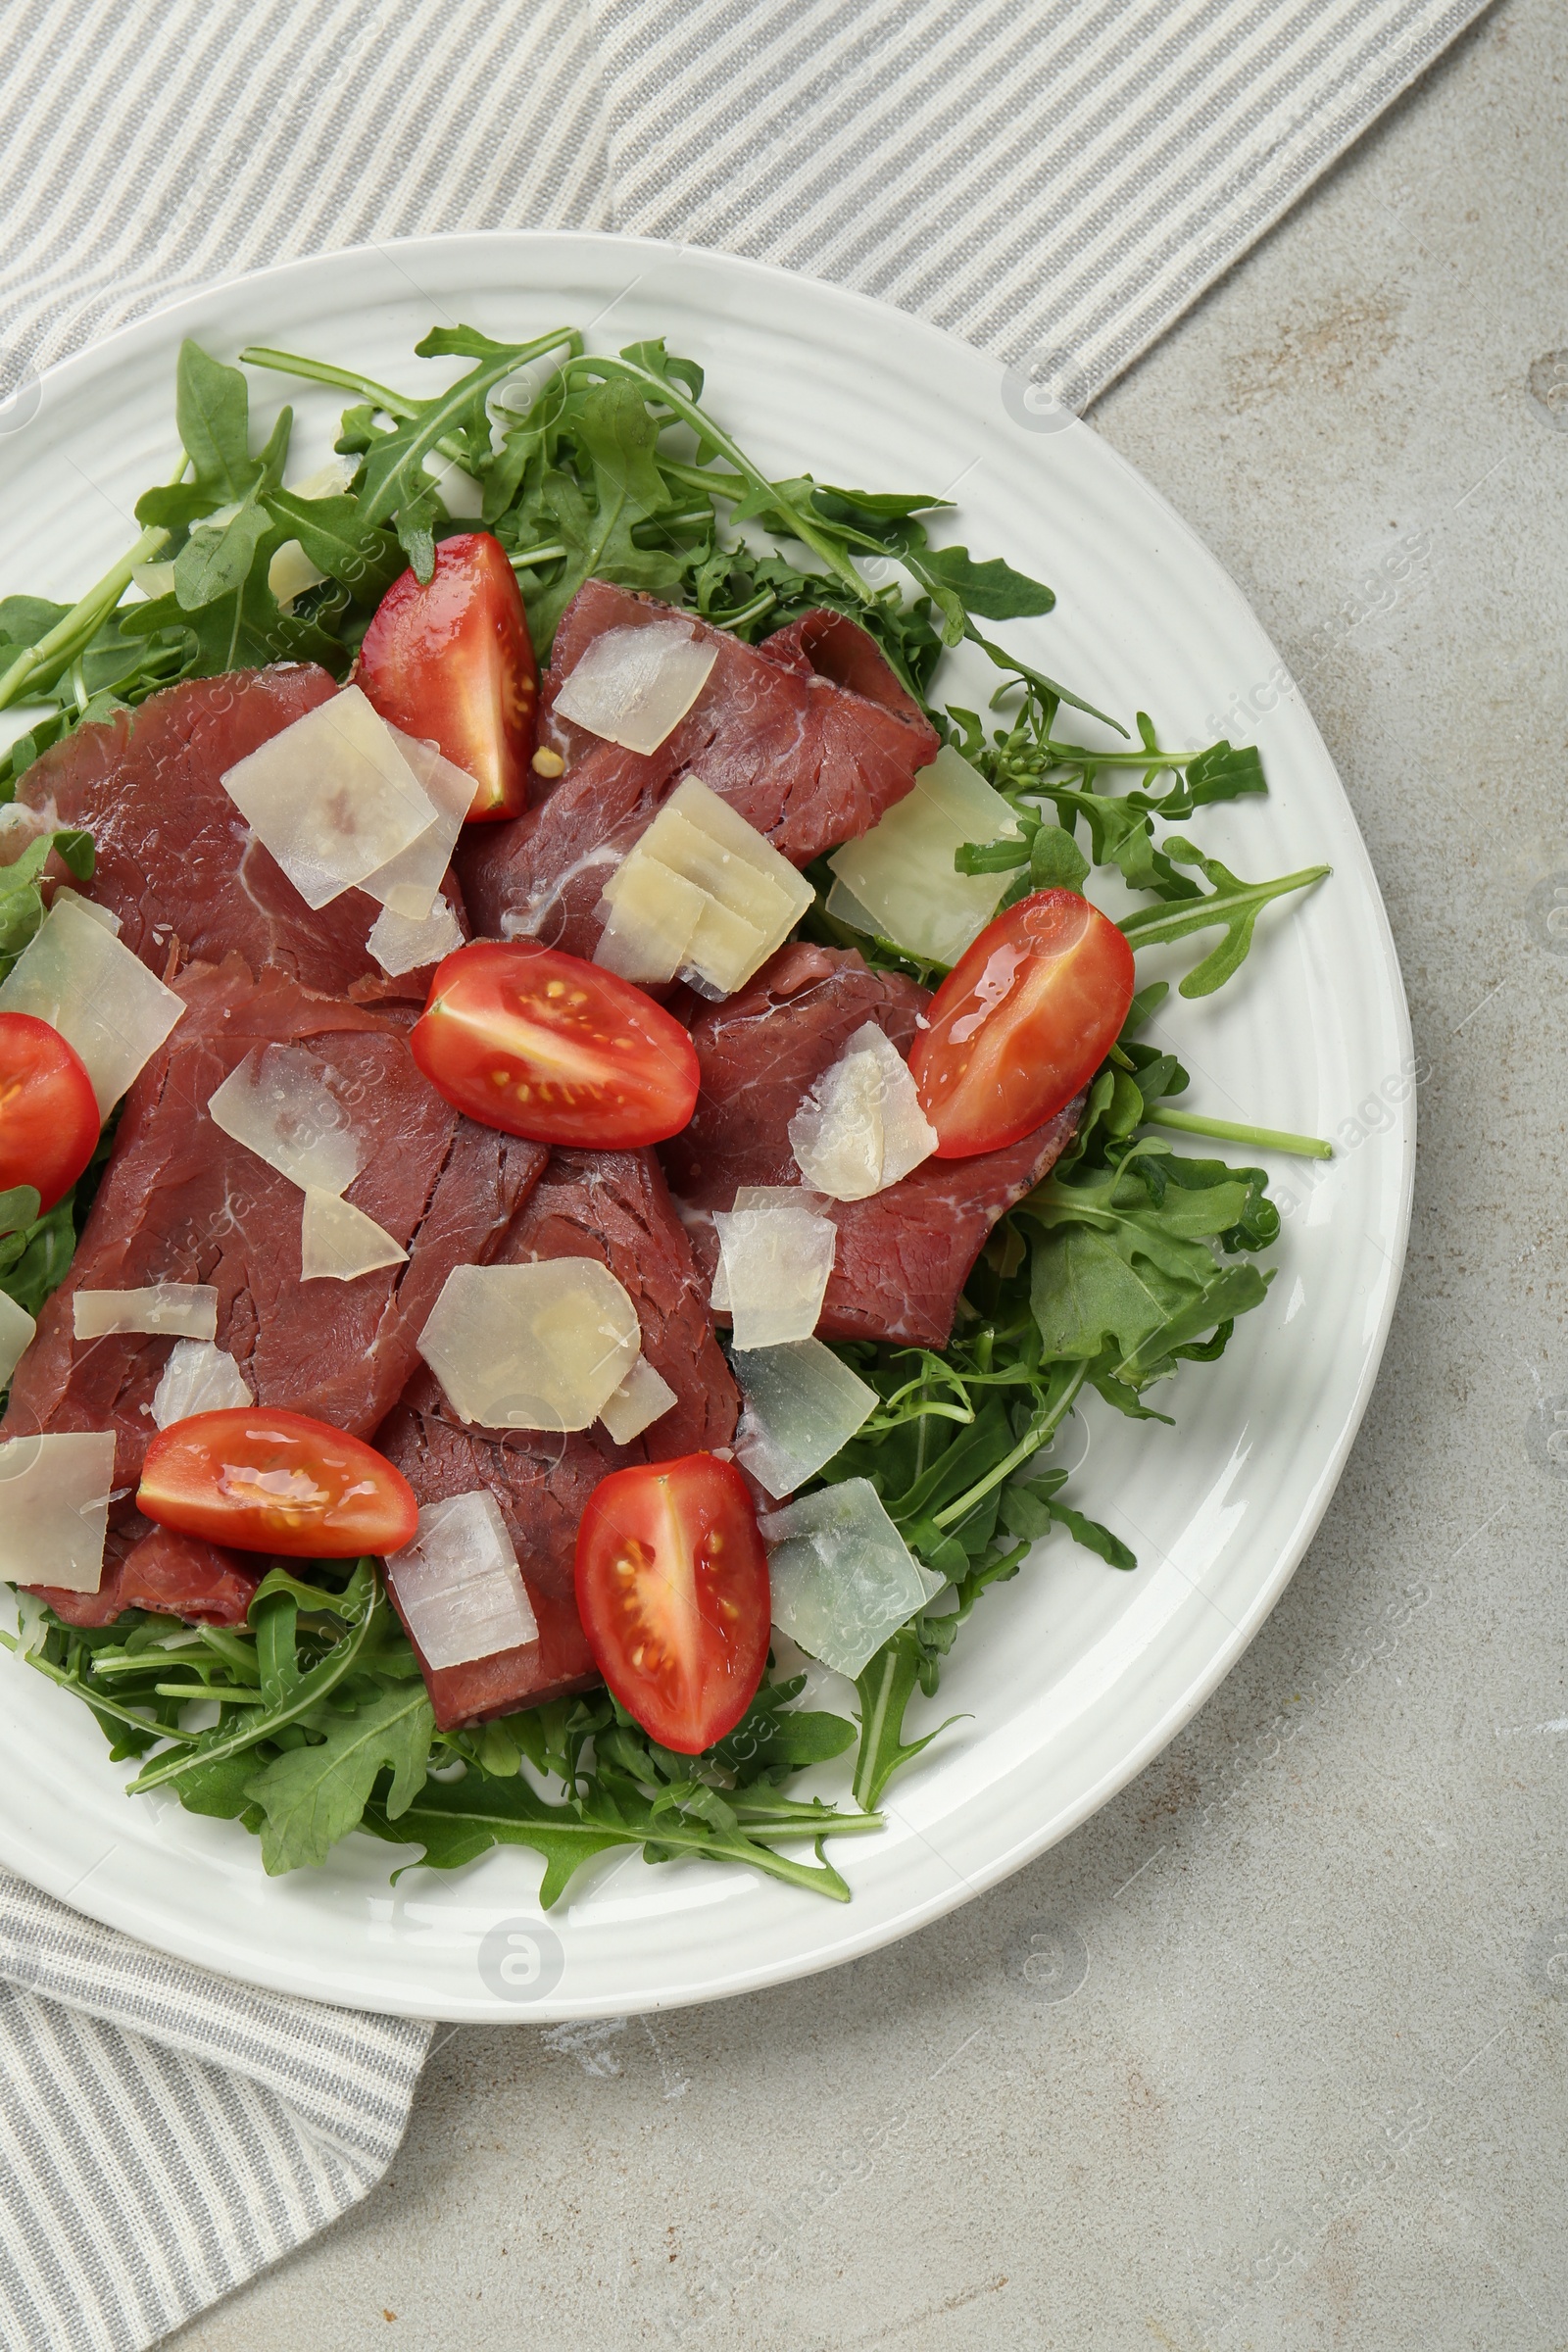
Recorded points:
308,1694
60,644
1030,1442
527,556
671,396
105,1706
1263,1139
345,379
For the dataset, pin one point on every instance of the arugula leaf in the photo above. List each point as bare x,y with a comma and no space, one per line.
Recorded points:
217,560
314,1795
1232,903
886,1685
456,1821
338,541
212,408
1030,1510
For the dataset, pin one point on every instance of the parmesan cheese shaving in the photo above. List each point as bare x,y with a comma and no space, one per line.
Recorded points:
278,1104
776,1251
290,572
543,1345
643,1398
901,873
54,1509
457,1584
17,1328
701,893
186,1310
634,685
861,1128
400,946
802,1402
338,1242
843,1578
198,1378
332,797
408,884
76,975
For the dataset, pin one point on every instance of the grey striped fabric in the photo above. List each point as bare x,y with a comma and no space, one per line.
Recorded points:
1056,179
164,2135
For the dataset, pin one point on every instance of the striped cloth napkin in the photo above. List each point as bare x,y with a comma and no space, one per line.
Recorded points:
1056,179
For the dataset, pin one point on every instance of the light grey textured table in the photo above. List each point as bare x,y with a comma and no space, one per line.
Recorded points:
1309,2090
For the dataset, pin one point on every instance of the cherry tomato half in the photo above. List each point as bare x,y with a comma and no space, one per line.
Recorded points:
540,1044
264,1481
1024,1020
48,1111
452,662
673,1595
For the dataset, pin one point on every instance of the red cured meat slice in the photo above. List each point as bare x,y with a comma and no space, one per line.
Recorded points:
153,1568
903,1255
811,744
558,1662
175,860
183,1203
612,1205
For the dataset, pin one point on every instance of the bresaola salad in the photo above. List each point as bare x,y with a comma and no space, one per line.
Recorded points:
568,1136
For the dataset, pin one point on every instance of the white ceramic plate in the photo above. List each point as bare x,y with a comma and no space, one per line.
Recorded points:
1072,1677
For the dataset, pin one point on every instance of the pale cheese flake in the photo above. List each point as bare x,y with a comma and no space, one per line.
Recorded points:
338,1242
277,1103
643,1398
634,685
843,1578
199,1378
776,1251
178,1311
457,1584
54,1509
408,885
76,975
901,875
861,1128
801,1404
702,894
543,1345
332,797
400,946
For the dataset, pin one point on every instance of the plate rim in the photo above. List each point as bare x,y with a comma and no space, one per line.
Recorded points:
189,1942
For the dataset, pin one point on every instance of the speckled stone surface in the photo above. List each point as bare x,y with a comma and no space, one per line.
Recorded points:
1272,2055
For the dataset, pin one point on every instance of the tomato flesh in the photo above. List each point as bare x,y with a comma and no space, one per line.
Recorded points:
48,1111
673,1595
259,1480
452,662
1024,1020
543,1045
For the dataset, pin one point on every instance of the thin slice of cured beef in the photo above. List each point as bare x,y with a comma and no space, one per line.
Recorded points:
184,1202
153,1568
176,861
612,1205
905,1254
809,735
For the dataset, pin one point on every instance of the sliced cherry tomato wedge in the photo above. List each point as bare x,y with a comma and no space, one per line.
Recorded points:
540,1044
673,1595
452,662
1024,1020
48,1111
259,1480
